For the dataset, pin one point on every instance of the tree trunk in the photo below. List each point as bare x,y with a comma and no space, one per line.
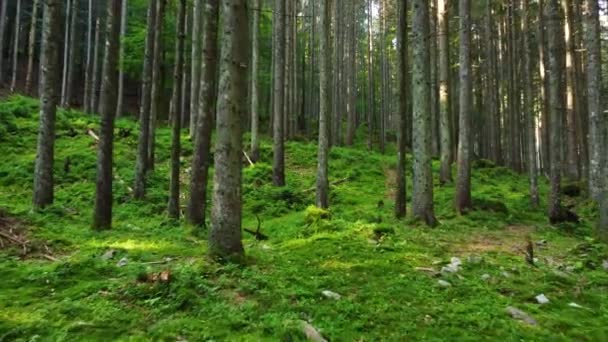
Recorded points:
31,50
157,81
545,139
255,56
95,87
176,100
529,103
351,112
141,169
49,78
445,174
225,235
2,35
207,103
370,78
463,181
103,198
66,48
16,46
422,199
402,76
324,113
195,79
88,77
433,44
72,55
121,73
571,170
278,166
555,44
597,120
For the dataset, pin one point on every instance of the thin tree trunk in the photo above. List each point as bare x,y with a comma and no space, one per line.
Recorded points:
287,65
351,111
103,199
370,78
225,235
278,166
157,82
49,98
434,78
88,78
422,198
66,48
324,113
195,79
121,73
2,36
31,50
572,162
445,174
176,101
16,46
402,76
197,205
141,169
95,87
255,56
463,181
72,55
529,105
556,66
545,131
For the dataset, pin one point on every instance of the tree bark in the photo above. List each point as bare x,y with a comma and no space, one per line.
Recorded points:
324,113
463,182
16,46
66,49
402,76
255,56
370,78
49,98
445,173
529,104
2,37
71,55
103,199
88,77
278,165
31,50
195,79
176,101
121,72
157,81
141,168
197,205
96,57
555,43
225,235
422,199
571,170
351,112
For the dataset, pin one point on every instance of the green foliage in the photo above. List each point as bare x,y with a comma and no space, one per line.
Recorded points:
357,249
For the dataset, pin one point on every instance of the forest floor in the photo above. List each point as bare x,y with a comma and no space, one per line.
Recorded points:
354,274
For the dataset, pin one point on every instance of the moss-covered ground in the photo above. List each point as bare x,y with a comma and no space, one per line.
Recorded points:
383,269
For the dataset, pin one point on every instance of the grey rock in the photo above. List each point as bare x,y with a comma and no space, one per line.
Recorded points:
521,316
443,283
311,333
122,262
331,295
605,264
486,277
542,299
109,254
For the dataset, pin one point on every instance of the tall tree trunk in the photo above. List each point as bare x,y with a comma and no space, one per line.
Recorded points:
96,76
324,113
185,121
255,56
402,76
225,235
287,72
195,80
197,206
351,111
141,168
66,49
597,120
2,36
445,174
88,77
72,55
278,165
31,50
49,98
176,101
463,181
103,199
422,199
16,46
121,72
157,81
529,112
370,78
434,78
545,131
335,79
571,170
555,43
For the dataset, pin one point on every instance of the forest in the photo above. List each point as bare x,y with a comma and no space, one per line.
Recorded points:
303,170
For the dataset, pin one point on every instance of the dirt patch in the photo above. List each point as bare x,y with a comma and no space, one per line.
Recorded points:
511,240
15,239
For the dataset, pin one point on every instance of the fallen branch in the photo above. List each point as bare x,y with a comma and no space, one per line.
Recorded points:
92,134
337,182
50,257
257,234
248,159
12,238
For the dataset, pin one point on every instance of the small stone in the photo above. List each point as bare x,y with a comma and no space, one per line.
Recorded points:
449,269
311,332
109,254
541,243
542,299
486,277
443,283
455,261
122,262
605,264
331,295
574,305
520,315
506,274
